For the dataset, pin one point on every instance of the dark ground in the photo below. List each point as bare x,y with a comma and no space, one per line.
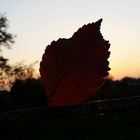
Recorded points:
114,126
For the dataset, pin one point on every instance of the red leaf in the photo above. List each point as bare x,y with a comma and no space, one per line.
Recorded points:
72,69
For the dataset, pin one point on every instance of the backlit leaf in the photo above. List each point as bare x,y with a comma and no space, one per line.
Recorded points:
73,68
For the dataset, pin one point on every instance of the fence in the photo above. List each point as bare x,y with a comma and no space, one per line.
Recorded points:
99,107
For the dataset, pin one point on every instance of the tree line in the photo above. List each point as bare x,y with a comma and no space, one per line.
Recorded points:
125,87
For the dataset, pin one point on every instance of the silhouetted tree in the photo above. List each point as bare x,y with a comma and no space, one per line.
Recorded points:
6,38
28,93
9,73
6,102
111,89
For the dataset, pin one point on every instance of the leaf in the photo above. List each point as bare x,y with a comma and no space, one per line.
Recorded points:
73,68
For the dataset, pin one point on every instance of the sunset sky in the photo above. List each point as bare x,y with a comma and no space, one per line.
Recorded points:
37,22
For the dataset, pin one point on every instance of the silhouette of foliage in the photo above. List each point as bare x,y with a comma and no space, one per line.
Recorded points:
9,73
125,87
6,38
6,102
18,76
28,93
